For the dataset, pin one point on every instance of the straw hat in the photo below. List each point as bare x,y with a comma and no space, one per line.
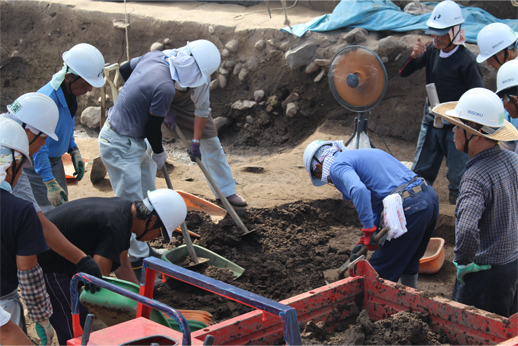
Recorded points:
480,106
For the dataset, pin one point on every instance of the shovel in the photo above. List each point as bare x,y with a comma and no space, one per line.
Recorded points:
222,198
195,203
185,232
332,275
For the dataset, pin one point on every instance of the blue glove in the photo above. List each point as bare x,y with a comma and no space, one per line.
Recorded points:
45,332
195,151
469,268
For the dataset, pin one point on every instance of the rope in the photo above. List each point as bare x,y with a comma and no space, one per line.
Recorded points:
126,30
241,16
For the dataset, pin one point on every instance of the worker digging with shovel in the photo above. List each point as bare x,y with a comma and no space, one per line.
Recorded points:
378,183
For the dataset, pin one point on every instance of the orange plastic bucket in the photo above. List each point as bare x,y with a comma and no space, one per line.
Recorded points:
433,258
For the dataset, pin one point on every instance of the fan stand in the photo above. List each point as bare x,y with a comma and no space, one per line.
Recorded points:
360,125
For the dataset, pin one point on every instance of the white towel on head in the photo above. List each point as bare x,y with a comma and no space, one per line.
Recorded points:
394,216
184,69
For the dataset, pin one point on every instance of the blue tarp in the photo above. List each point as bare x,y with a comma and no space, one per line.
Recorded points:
380,15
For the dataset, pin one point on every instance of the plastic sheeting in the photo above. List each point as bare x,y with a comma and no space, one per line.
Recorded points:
381,15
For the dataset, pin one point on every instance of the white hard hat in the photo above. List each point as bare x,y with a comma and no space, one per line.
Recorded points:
481,106
445,15
36,110
310,151
494,38
507,76
88,62
13,136
206,55
170,207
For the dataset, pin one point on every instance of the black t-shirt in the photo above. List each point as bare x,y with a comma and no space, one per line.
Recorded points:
21,235
98,226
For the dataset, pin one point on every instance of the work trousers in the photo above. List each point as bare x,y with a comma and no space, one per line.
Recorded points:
493,290
39,189
401,255
213,158
432,146
58,288
132,173
11,303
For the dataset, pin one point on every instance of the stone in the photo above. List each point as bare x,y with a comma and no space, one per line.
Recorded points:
243,74
232,45
211,29
292,98
356,35
242,105
230,63
222,79
237,68
221,123
91,117
157,46
223,70
213,85
388,46
271,103
98,171
320,76
258,95
312,67
249,119
259,45
167,40
119,24
323,62
225,53
291,109
300,55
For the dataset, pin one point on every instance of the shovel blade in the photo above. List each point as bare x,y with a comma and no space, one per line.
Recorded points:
332,275
195,203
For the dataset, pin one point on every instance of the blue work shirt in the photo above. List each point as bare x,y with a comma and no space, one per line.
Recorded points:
64,131
366,177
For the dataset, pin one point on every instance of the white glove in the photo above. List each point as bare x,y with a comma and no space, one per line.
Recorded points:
160,159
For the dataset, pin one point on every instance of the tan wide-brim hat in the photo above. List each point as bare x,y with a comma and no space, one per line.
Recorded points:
506,133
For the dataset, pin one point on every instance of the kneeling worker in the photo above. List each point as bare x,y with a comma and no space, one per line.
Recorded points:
366,177
102,227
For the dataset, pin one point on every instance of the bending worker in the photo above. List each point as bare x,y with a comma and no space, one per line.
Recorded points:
22,239
453,69
366,177
38,115
486,225
101,227
82,69
497,45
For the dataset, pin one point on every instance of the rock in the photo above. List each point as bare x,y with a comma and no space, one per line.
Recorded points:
323,62
167,40
211,29
312,67
222,122
223,70
320,76
259,45
417,8
157,46
249,119
230,63
222,79
243,74
271,43
300,55
252,64
98,171
258,95
388,46
285,45
356,35
237,68
119,24
213,85
225,53
232,45
242,105
271,103
291,109
91,117
292,98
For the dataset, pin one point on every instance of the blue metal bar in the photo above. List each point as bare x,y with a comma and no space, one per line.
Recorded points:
287,314
178,317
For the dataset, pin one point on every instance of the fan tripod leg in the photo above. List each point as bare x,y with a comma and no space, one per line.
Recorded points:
360,125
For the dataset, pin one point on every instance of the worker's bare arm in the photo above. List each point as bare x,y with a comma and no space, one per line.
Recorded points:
125,271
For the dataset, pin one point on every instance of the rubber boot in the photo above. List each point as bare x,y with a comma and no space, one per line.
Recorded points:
453,199
409,280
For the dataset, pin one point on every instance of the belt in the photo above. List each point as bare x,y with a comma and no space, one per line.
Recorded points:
416,189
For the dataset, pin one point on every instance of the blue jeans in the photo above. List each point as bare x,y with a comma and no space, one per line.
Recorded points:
401,255
494,290
432,146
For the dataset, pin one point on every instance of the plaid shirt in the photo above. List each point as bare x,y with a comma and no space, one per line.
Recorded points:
34,294
486,229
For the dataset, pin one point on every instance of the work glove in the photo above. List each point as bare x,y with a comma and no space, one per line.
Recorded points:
195,151
366,238
89,266
45,332
463,269
354,253
55,193
79,164
159,159
170,119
